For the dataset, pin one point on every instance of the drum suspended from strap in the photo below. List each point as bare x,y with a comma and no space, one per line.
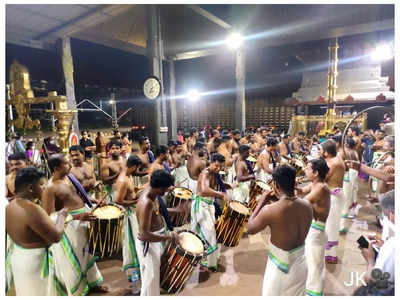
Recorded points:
230,226
257,188
180,259
105,233
180,196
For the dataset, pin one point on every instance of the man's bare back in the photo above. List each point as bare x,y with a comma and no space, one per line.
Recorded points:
194,166
337,169
289,221
320,199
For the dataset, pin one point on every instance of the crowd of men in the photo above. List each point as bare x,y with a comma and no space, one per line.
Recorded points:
48,255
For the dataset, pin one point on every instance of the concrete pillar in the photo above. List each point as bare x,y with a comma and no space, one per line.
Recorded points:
68,68
240,103
154,46
172,128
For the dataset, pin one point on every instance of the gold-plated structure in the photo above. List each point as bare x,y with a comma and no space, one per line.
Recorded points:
22,97
330,119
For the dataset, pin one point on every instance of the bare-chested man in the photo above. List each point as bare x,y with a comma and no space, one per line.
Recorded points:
261,136
354,133
350,185
29,227
224,149
334,180
152,231
284,148
62,192
203,210
289,220
111,168
194,134
81,169
210,145
17,162
244,175
196,163
161,160
235,141
147,158
267,161
246,139
255,148
318,194
297,144
171,151
378,145
127,194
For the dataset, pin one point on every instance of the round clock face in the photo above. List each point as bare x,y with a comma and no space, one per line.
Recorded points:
152,88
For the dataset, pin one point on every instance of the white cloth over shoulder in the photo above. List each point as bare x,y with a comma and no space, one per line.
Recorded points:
285,273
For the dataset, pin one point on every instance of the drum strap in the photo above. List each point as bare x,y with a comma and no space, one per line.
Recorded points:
218,210
166,167
151,156
80,190
165,214
248,164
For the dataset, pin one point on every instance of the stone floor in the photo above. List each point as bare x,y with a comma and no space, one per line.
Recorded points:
242,268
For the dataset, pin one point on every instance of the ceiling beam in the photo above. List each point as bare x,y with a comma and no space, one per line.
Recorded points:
204,13
110,42
31,44
331,33
88,19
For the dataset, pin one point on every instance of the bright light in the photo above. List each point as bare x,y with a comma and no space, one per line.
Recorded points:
234,40
382,52
111,102
193,95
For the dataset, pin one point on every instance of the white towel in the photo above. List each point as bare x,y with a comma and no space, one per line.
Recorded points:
130,260
203,223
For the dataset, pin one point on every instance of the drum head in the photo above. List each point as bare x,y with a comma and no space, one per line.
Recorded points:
240,208
222,173
251,159
182,193
191,243
263,185
107,212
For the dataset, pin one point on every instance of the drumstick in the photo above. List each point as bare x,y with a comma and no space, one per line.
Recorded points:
179,183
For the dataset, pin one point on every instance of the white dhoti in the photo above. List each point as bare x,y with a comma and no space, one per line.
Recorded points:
350,189
34,272
333,225
181,176
192,185
130,260
262,175
150,264
74,265
285,273
203,223
315,256
241,193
